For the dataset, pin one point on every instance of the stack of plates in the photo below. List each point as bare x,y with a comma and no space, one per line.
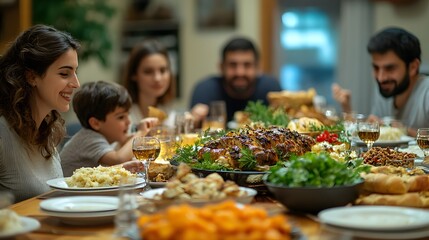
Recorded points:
81,210
61,185
377,222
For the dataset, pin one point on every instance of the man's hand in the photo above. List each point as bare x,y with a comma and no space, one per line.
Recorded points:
342,96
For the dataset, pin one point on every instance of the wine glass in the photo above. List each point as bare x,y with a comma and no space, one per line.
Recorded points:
146,149
368,132
423,142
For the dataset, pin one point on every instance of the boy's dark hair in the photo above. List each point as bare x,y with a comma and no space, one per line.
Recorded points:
97,99
398,40
240,44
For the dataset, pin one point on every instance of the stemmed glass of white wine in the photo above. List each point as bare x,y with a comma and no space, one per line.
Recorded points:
368,132
146,149
423,142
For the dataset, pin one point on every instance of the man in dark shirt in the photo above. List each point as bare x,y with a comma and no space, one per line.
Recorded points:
240,81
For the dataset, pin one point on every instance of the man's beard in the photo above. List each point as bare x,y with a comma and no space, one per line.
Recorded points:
399,88
239,90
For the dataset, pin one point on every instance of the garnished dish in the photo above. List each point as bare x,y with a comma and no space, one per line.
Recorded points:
336,144
247,149
188,187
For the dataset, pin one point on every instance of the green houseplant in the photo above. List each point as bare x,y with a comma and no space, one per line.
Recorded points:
84,20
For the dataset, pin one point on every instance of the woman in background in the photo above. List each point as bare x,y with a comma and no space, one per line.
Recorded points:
37,80
149,79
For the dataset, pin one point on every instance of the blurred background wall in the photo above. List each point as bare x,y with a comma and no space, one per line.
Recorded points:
195,45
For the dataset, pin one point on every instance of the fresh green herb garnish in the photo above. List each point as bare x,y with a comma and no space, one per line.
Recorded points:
208,164
337,127
247,160
317,170
258,112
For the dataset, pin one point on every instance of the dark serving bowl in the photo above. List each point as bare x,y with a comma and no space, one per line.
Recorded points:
250,179
314,199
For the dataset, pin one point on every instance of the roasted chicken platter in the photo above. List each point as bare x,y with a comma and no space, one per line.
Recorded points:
250,148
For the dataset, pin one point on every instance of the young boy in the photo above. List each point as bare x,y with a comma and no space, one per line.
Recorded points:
102,109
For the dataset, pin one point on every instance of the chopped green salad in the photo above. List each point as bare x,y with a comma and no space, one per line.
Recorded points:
317,170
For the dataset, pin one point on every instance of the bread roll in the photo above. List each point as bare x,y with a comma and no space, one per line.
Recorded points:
157,113
383,183
406,200
418,183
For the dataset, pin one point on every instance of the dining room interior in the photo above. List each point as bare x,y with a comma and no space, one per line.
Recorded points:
347,177
328,46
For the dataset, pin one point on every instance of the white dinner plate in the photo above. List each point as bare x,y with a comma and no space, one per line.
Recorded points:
82,219
60,183
29,224
376,218
388,143
80,204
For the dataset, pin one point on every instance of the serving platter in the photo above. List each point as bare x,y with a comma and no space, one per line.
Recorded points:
61,184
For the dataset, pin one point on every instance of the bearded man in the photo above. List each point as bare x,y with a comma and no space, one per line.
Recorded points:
240,81
404,92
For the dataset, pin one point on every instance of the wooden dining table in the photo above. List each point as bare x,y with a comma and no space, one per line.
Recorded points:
306,226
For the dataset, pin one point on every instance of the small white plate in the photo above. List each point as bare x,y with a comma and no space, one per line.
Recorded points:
29,224
375,218
60,183
80,204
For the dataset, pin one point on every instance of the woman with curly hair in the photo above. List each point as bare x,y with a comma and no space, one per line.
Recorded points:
37,80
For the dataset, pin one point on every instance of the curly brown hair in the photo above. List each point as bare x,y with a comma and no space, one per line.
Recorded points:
33,51
138,53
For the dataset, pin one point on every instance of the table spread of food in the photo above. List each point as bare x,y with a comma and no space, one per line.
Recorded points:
303,160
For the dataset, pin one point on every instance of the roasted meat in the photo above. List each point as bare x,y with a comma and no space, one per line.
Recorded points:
267,145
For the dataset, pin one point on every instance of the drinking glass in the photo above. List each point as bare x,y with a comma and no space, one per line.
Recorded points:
423,142
350,120
146,149
168,140
183,122
368,132
217,114
127,212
